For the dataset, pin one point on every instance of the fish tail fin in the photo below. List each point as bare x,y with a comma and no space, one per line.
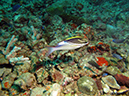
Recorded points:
50,50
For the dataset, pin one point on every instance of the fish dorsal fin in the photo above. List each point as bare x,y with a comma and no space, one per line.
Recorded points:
73,37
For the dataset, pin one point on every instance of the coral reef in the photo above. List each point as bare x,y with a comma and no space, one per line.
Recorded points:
30,28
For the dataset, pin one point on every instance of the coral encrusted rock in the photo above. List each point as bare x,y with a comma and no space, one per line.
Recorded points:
87,85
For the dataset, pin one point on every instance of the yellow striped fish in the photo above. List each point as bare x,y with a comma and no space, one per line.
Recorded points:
69,44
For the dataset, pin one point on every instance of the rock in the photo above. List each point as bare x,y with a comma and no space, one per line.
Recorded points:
35,21
20,18
41,74
57,76
57,8
110,29
26,81
121,65
56,90
67,80
76,19
4,71
70,88
0,86
113,70
111,81
126,74
88,64
14,90
122,80
56,20
20,69
128,66
8,81
38,91
87,85
122,90
106,88
4,93
127,59
99,84
3,60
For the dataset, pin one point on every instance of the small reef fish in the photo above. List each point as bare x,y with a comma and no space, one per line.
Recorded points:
117,56
104,74
69,44
118,40
16,7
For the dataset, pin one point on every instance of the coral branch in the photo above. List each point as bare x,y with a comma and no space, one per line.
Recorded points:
13,53
11,56
19,59
35,35
12,40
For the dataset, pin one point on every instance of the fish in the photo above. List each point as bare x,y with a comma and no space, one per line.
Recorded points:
118,40
69,44
16,7
117,56
104,74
